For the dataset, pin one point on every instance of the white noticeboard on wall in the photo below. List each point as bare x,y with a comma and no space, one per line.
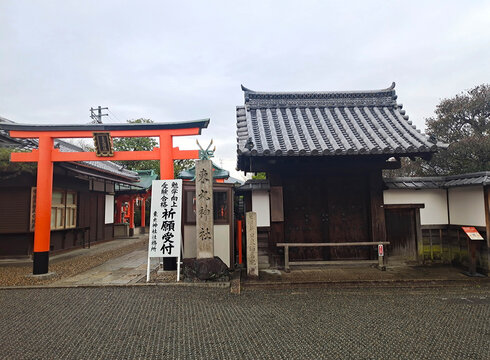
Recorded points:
109,209
165,221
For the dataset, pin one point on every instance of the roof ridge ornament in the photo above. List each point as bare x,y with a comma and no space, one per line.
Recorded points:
206,154
245,89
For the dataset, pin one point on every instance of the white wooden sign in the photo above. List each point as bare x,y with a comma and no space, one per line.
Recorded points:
165,220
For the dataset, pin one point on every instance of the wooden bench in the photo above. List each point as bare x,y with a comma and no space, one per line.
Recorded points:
288,245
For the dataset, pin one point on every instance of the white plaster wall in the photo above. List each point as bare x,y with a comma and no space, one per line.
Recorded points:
221,242
435,211
467,206
260,205
109,209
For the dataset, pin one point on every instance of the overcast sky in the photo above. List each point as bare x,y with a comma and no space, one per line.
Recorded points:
185,60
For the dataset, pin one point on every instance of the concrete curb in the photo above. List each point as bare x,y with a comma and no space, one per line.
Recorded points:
224,285
374,283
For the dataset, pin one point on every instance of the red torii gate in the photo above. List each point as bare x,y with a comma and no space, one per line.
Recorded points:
46,154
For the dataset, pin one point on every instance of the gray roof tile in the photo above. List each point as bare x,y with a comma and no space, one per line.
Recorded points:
325,124
439,182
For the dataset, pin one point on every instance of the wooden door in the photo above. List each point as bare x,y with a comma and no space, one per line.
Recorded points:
305,216
401,233
348,216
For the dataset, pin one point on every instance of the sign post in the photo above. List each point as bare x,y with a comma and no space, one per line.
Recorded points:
166,218
473,235
381,253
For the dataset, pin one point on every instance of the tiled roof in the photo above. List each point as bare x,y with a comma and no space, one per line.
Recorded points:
254,184
414,182
326,124
144,183
105,166
440,182
190,174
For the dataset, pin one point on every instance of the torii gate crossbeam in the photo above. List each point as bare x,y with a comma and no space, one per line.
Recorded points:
46,155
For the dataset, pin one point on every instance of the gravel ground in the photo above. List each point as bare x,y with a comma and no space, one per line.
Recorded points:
17,275
162,322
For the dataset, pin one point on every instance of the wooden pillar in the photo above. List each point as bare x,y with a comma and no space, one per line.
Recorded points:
486,193
166,158
143,212
118,211
42,227
378,225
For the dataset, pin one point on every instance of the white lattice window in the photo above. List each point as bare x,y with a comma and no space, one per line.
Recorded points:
63,209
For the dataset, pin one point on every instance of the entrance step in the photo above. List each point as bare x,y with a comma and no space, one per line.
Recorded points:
264,262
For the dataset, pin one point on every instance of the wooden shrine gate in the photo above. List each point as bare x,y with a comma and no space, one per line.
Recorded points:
46,154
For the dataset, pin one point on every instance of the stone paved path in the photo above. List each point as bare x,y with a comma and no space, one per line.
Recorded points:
123,270
162,322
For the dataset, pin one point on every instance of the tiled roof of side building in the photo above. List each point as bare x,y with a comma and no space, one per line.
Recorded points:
326,124
105,166
439,182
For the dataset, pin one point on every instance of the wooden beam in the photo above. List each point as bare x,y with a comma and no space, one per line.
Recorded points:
184,154
115,133
333,262
361,243
59,156
404,206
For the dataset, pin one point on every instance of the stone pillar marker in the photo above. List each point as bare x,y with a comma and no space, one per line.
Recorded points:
204,209
252,246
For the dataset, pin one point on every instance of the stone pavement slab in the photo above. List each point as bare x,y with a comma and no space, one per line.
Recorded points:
123,270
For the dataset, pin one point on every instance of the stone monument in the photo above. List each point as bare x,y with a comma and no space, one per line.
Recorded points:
204,209
205,266
252,245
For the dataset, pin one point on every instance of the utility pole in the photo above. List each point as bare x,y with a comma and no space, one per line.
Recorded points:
97,117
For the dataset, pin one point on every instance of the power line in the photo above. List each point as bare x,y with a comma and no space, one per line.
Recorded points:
117,118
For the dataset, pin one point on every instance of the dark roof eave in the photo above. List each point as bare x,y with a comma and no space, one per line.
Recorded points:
244,159
421,153
97,172
203,123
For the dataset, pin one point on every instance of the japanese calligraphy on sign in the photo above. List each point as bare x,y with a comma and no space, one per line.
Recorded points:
166,217
204,210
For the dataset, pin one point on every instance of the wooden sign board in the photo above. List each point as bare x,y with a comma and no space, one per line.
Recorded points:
103,144
166,219
472,233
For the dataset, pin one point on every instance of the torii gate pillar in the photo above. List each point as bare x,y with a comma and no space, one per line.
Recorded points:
42,226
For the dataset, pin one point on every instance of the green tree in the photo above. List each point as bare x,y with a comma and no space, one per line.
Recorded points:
463,122
142,144
259,176
12,169
180,165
